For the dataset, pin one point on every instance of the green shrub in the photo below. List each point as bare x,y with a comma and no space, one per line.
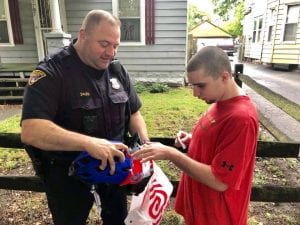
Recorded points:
159,88
140,87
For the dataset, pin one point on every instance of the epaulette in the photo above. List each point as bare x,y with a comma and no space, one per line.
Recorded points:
59,56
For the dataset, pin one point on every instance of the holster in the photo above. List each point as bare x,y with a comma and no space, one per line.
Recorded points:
36,159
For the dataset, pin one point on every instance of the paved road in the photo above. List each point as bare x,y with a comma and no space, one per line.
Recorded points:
281,120
284,83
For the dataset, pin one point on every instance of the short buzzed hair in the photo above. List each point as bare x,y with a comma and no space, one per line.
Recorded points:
95,17
212,60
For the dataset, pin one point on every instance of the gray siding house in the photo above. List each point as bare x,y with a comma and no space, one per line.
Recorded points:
153,41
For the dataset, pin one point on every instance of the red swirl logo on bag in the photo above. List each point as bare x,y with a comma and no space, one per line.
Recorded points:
148,207
158,202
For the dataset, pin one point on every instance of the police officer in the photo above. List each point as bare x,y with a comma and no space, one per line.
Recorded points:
81,99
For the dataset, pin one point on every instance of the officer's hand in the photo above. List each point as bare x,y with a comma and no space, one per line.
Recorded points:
106,152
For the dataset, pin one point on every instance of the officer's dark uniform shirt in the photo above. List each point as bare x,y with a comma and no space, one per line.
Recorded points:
80,98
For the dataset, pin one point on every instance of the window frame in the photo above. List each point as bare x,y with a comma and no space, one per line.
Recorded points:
286,22
9,26
115,7
257,30
271,24
254,33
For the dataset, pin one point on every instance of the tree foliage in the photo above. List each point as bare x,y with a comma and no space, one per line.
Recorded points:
195,16
234,26
231,11
224,8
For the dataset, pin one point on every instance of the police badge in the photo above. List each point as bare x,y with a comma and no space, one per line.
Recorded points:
115,83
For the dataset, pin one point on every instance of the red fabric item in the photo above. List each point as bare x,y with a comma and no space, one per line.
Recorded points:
138,172
225,137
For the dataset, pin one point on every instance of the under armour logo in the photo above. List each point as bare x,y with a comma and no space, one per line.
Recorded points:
229,166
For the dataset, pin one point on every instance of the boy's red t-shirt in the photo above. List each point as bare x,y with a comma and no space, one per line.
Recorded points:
225,137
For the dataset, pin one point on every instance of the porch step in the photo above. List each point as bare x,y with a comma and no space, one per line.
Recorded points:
6,79
3,89
11,97
12,89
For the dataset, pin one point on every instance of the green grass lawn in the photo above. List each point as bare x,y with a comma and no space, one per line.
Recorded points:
11,125
11,158
166,113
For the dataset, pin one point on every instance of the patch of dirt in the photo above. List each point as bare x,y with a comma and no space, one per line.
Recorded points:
23,207
275,172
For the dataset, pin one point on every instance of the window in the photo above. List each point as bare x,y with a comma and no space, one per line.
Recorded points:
260,23
137,17
131,13
5,25
271,21
292,18
45,16
10,25
257,28
254,32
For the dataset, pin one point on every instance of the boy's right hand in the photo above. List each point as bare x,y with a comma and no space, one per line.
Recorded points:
182,139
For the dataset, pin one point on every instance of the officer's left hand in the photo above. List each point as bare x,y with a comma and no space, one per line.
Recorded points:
106,152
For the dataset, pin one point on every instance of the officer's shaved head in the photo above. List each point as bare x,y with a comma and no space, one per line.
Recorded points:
95,17
98,39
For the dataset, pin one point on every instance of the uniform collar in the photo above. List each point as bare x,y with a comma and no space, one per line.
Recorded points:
90,70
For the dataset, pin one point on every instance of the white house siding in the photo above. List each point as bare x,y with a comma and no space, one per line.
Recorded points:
27,52
285,52
247,35
267,50
253,50
275,51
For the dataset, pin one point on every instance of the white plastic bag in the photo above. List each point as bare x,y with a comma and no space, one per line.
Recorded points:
147,208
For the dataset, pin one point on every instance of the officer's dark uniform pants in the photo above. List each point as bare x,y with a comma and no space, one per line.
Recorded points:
70,200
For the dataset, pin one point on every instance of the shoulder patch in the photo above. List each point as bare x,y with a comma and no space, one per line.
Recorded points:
35,76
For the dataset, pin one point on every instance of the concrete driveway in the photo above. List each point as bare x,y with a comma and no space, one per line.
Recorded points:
284,83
